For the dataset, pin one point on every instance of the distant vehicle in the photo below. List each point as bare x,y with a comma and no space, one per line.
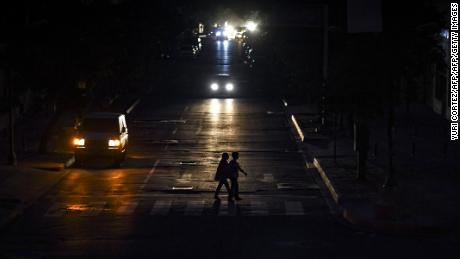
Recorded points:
222,84
219,35
239,32
101,134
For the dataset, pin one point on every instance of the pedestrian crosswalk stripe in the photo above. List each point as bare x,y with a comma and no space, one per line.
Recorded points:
194,208
161,208
186,208
258,208
127,208
94,209
294,208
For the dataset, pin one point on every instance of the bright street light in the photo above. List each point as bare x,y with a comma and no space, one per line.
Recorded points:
251,26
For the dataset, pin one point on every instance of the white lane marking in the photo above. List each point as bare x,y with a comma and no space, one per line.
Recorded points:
130,109
294,208
56,210
268,178
174,131
198,131
94,209
194,208
149,175
127,208
161,208
258,208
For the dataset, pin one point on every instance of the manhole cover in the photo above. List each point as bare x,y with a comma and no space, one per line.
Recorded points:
182,188
187,163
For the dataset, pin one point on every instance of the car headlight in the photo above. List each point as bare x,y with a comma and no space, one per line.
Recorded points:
229,87
78,141
214,86
114,143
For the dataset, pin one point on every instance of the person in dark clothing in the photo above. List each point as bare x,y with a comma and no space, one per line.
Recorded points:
235,168
222,174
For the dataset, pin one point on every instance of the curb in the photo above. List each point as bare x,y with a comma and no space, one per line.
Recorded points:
298,129
12,216
327,181
351,217
58,167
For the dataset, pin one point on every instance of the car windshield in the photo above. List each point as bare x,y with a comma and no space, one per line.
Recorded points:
100,125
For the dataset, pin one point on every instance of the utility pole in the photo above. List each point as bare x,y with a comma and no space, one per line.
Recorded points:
325,62
390,180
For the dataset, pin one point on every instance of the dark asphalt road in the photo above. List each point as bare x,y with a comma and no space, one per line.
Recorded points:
160,203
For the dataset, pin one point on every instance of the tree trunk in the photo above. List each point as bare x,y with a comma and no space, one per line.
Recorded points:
362,148
390,180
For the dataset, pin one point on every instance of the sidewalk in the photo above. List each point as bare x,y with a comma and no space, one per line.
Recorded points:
36,173
20,186
426,199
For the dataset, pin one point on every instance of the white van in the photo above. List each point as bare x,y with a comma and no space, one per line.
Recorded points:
101,134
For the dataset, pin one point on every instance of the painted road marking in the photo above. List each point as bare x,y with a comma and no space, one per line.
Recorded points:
198,131
161,208
127,208
174,131
268,178
149,175
294,208
94,209
194,208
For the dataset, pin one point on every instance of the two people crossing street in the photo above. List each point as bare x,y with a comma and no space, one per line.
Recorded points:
229,170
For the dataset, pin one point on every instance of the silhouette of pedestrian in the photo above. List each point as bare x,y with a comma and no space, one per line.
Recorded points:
235,168
222,174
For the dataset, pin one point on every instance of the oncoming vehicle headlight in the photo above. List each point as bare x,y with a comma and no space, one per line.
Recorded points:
229,87
114,143
214,86
79,142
